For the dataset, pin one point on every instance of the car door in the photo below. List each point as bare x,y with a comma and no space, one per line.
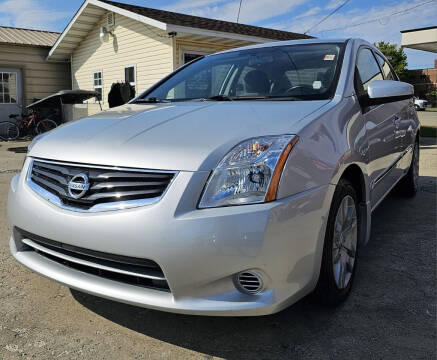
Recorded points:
380,123
405,123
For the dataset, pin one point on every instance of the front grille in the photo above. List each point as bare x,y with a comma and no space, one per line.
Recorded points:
98,186
125,269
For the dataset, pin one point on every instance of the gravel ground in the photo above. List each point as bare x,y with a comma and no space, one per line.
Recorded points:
391,313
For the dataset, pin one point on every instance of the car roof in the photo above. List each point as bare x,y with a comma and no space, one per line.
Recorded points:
294,42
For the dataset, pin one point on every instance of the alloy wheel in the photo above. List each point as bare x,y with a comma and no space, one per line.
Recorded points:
345,242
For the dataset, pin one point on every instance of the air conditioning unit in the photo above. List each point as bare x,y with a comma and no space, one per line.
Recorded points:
110,20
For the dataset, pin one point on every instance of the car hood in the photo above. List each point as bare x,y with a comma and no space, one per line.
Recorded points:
188,136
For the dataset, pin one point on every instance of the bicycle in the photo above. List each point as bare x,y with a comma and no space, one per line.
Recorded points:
10,130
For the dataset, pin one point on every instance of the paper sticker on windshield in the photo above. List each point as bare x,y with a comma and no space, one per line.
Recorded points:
317,85
329,57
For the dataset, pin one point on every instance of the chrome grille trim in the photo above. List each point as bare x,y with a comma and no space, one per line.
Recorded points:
121,269
147,186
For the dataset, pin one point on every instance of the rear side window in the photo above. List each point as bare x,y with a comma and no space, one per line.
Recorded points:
386,69
367,69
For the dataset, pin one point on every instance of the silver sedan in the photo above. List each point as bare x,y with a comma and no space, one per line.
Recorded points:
237,185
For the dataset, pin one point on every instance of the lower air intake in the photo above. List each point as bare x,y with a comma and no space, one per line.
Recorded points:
249,282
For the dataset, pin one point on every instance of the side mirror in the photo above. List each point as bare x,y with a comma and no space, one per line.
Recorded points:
385,91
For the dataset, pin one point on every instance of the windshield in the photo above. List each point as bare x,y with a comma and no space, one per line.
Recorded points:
295,72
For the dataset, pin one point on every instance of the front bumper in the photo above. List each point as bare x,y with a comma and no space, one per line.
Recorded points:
199,251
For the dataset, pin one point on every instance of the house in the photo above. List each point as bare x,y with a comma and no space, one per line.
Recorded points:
25,73
107,42
424,81
424,39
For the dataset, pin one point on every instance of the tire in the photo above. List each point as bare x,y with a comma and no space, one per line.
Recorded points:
45,125
409,185
333,288
417,107
9,131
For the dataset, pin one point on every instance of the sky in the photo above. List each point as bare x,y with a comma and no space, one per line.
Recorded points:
371,20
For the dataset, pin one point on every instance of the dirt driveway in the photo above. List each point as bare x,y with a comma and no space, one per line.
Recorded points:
391,313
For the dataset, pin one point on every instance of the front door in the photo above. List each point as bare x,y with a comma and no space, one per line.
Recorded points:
404,123
11,100
381,122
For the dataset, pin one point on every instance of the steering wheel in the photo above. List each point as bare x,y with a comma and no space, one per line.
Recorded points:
302,87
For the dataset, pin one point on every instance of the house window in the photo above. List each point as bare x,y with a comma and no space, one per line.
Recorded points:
191,56
98,85
130,76
8,87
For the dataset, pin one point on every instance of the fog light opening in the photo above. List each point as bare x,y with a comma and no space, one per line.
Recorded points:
249,282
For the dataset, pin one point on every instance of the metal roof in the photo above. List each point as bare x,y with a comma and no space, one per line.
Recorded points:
18,36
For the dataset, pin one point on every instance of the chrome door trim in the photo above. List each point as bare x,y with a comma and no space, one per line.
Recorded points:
387,170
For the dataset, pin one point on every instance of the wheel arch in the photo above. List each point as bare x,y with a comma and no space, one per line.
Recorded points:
355,175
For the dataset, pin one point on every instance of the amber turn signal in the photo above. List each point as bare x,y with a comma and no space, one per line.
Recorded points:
274,183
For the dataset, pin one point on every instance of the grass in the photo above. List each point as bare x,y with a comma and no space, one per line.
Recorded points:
431,109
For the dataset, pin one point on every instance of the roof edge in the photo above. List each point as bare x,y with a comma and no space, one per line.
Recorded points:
19,28
419,29
69,25
166,26
28,45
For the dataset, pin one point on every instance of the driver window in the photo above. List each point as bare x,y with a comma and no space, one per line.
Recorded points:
386,69
367,68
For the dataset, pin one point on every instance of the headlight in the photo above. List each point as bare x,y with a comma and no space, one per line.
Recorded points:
249,173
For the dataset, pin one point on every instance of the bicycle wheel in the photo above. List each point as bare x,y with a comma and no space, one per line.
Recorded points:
9,131
45,125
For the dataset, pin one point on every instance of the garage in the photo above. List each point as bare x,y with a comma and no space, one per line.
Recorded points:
25,74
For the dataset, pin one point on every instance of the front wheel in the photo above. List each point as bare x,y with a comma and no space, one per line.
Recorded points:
9,131
45,125
341,246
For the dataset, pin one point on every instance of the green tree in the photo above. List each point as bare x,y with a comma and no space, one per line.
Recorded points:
397,58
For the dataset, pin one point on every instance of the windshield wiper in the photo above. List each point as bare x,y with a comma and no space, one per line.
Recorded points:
151,100
214,98
266,97
220,98
284,98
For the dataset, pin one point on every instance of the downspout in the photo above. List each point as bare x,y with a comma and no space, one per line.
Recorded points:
71,70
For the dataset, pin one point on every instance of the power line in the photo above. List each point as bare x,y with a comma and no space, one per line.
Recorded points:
327,16
379,19
239,9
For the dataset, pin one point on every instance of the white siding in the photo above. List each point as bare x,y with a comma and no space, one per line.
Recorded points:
203,45
134,43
